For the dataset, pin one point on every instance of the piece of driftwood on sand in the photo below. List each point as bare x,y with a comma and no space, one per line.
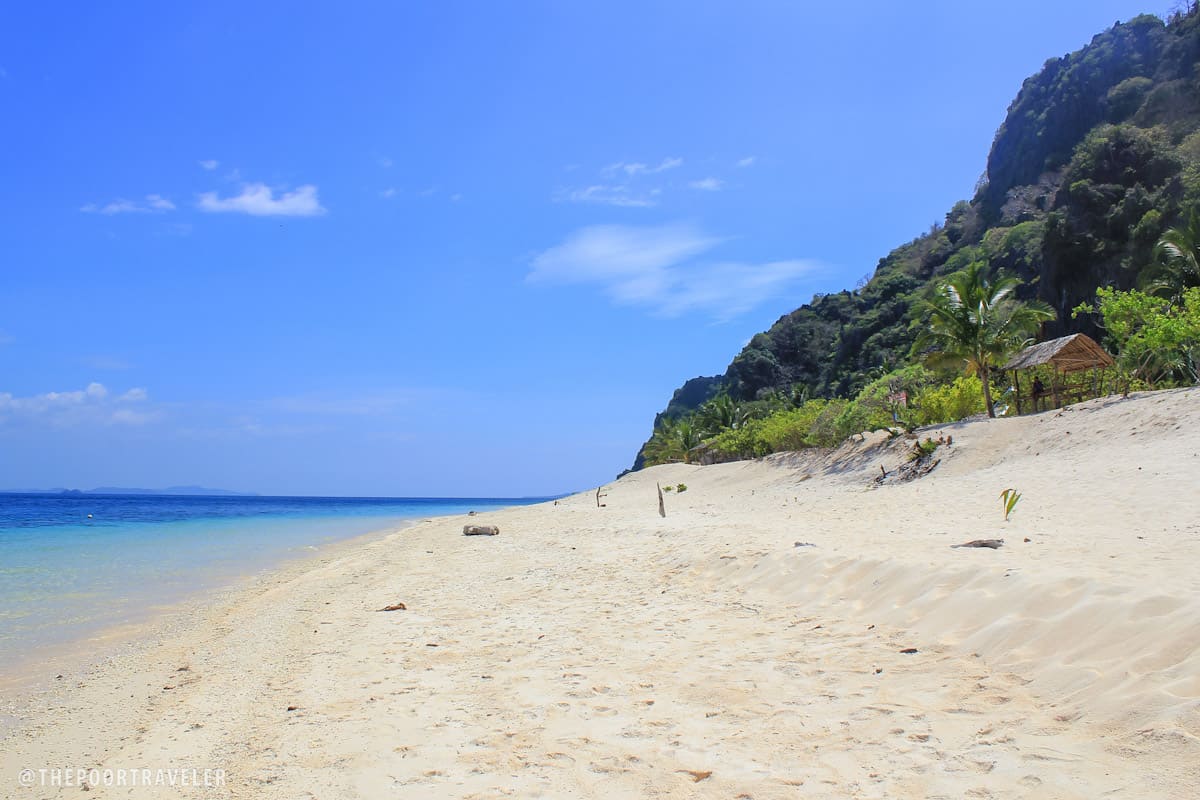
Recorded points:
993,544
480,530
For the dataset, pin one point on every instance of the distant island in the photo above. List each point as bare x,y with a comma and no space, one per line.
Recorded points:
170,490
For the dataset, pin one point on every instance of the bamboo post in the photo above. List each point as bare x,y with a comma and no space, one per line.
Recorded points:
1054,385
662,509
1017,388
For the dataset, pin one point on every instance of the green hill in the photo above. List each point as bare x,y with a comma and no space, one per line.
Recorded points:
1099,154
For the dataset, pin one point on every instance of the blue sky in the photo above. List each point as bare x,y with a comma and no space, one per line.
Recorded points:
450,248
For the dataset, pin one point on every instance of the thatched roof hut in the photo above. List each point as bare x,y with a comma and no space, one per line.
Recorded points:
1073,353
1067,354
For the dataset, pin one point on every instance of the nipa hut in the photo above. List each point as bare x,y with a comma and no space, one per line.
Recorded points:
1068,354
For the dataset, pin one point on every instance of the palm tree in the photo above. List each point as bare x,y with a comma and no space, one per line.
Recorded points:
1178,252
671,441
721,413
975,321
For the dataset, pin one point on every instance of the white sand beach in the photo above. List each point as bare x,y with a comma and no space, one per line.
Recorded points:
606,652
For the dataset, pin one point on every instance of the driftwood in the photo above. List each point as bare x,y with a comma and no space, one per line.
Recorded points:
480,530
909,471
599,496
994,544
662,509
395,607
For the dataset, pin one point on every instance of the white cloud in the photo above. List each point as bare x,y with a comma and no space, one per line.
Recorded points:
209,164
92,404
655,267
153,204
159,203
707,184
259,200
611,195
388,193
386,162
748,161
728,289
615,253
632,168
622,185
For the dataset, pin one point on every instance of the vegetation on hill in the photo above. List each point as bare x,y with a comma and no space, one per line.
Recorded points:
1097,159
974,321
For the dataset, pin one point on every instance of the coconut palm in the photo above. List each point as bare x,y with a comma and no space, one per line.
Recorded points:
1178,253
721,413
672,440
974,321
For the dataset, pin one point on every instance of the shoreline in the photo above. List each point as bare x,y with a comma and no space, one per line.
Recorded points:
38,673
787,624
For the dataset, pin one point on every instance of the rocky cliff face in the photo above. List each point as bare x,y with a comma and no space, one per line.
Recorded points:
1099,153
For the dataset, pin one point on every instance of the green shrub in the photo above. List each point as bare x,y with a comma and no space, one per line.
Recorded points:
878,406
810,425
949,402
743,442
791,430
824,430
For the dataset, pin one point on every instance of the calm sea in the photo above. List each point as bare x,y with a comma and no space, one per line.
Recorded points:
72,565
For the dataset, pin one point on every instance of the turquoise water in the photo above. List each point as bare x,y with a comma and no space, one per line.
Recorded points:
65,575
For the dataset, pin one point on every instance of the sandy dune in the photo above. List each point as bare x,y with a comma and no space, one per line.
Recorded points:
605,652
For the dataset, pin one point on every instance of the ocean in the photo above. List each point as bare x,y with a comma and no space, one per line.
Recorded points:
72,565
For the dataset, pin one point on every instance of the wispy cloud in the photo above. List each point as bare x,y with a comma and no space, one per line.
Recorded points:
632,168
259,200
386,162
625,184
93,404
6,338
707,184
655,267
611,195
209,164
388,193
153,204
748,161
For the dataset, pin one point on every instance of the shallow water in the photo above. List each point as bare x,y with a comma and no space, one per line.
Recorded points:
65,575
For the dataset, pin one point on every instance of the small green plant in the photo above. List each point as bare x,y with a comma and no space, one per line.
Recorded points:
923,449
668,488
681,488
1009,499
